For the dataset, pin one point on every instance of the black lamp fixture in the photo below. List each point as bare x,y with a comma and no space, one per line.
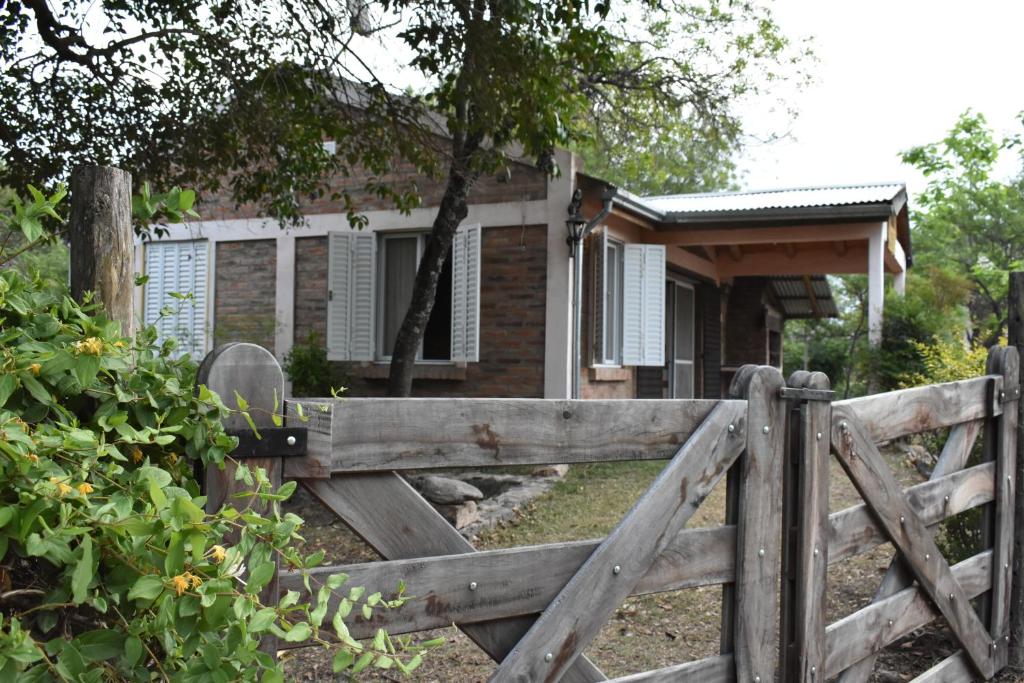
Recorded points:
575,224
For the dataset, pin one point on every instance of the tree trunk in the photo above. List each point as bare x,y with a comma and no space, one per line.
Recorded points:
452,211
100,233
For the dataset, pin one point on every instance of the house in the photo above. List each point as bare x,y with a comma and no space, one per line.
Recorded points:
677,291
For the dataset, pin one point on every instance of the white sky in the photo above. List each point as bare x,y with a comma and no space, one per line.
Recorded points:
890,75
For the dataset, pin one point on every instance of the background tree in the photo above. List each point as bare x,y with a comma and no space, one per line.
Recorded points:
236,96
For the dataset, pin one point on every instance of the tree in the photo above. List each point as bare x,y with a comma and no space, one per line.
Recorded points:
967,221
204,93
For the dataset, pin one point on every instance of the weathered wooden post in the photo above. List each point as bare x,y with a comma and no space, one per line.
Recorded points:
255,374
1015,329
100,233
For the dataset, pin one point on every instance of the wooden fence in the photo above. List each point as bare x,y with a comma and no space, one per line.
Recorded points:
535,610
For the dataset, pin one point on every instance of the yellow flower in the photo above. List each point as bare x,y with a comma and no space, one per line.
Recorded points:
194,580
35,368
136,455
92,346
180,583
172,458
119,344
33,457
62,488
217,554
84,488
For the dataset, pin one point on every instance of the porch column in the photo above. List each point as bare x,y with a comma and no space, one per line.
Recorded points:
876,283
558,313
900,279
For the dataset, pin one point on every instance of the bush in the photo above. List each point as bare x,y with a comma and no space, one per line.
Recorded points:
111,570
309,370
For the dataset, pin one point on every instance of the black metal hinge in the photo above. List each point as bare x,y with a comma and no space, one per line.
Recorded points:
797,394
276,442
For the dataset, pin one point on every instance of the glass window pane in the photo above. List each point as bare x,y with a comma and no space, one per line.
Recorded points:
683,380
684,323
398,274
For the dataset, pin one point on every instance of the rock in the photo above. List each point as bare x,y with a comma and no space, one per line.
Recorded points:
551,471
445,491
460,516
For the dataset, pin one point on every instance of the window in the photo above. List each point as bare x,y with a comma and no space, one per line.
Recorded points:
398,259
681,340
608,328
370,285
629,301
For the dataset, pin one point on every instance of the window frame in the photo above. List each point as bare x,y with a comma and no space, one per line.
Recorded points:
382,355
612,323
672,361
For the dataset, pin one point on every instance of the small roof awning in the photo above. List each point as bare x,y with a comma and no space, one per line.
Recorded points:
807,296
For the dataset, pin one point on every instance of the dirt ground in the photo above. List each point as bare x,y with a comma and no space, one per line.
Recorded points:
647,632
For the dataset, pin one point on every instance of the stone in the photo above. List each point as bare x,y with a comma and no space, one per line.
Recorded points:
551,471
460,516
445,491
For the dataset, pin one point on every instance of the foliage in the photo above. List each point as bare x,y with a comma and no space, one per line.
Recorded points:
967,221
110,567
309,370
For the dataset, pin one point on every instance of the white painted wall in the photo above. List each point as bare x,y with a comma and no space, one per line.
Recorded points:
558,313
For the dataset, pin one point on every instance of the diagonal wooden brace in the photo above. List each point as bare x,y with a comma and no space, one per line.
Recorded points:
399,524
909,534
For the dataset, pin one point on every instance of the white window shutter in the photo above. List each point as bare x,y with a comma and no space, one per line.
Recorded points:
351,285
643,335
178,267
466,294
600,246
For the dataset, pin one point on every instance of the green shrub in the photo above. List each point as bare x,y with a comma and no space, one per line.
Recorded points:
111,570
309,370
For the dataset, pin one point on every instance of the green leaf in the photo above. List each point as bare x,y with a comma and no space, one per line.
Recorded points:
35,388
299,632
342,660
8,385
175,560
262,620
83,573
148,587
132,650
101,644
242,403
260,576
156,494
362,662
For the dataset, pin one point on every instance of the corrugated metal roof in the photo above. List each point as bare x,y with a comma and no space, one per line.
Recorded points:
792,295
835,195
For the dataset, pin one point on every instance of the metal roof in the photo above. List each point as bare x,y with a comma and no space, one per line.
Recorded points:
796,301
792,198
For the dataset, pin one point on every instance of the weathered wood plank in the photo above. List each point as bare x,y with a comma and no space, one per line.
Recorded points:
720,669
255,374
953,669
952,459
1004,361
381,434
408,527
758,552
812,540
871,476
516,581
1015,334
853,531
869,630
910,411
579,611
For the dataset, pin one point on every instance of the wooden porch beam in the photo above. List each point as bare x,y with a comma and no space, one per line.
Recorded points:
809,288
795,233
814,260
735,252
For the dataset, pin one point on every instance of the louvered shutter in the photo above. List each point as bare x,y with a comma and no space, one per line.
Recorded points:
466,294
599,243
181,268
351,278
643,335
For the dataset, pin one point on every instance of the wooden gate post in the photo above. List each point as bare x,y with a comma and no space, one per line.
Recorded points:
100,234
255,374
1015,329
805,533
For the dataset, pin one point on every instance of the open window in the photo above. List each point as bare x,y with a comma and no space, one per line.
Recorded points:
629,303
371,279
608,299
175,270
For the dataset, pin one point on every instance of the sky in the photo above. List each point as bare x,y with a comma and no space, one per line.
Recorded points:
889,75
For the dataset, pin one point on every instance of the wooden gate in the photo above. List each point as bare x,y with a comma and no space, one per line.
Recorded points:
534,610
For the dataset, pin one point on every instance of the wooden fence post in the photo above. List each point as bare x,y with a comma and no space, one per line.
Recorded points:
1015,329
100,234
255,374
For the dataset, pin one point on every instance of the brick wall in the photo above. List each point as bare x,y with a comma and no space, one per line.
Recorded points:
524,182
746,338
245,282
513,281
